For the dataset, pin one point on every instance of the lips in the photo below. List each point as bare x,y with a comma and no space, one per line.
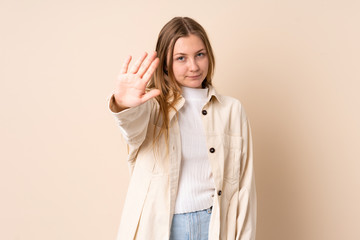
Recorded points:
195,76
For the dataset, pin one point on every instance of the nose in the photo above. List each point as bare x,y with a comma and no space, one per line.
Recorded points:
194,67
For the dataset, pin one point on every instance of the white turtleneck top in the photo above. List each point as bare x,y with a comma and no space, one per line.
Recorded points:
196,184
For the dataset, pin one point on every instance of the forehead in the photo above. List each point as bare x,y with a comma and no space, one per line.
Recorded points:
188,45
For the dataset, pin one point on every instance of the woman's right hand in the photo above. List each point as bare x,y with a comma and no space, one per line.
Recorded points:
130,86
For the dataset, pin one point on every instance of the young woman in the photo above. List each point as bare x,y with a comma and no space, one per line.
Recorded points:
190,149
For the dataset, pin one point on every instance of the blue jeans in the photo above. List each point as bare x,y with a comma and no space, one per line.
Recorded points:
191,226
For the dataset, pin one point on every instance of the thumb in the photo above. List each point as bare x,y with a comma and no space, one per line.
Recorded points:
151,94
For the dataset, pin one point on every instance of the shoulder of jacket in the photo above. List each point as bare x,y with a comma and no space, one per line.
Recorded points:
230,101
234,105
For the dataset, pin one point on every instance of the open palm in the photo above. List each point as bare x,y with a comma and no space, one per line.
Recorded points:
131,85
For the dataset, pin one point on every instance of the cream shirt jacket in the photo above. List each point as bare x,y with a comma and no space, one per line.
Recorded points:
150,200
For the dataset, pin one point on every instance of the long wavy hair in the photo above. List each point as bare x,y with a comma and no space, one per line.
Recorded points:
163,78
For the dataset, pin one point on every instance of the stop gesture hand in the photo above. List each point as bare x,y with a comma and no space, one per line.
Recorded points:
131,85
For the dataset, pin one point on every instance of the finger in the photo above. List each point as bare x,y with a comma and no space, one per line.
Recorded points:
151,94
125,65
150,71
144,67
138,63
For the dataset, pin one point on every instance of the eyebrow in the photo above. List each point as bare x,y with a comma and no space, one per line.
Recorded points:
186,54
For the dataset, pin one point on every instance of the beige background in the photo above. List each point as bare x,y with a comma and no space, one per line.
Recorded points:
293,64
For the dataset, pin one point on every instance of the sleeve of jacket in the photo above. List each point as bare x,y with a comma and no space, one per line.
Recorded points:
133,122
246,213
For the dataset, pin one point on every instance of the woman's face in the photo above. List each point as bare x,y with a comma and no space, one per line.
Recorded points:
190,61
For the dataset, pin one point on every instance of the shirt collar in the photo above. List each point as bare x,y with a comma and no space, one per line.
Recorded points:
213,94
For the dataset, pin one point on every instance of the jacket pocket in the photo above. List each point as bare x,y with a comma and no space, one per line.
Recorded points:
232,155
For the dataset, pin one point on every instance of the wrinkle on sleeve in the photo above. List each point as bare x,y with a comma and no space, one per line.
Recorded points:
133,123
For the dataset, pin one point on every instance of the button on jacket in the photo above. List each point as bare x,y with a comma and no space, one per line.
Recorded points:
154,170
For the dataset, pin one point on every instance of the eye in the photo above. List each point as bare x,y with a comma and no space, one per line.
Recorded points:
180,58
200,54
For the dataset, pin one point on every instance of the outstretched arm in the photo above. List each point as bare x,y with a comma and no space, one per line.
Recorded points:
129,103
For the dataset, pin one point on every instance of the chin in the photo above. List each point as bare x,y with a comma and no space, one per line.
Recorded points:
193,85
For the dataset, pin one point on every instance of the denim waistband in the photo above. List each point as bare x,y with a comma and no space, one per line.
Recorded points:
208,210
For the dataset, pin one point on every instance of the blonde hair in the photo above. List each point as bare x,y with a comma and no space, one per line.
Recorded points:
163,78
